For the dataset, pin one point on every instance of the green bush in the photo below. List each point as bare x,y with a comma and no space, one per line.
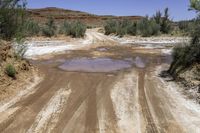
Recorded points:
155,28
132,28
31,28
75,29
186,55
110,27
10,70
78,29
146,27
50,28
120,27
65,28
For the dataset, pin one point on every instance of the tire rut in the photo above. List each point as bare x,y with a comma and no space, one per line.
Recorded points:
150,124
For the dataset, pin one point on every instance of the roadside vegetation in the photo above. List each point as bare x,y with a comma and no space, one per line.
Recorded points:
49,29
12,28
148,26
75,29
15,26
187,55
10,70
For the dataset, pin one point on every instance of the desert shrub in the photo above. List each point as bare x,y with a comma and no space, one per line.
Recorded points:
132,28
50,28
75,29
31,28
155,28
146,27
65,28
143,27
186,55
110,27
78,29
10,70
121,28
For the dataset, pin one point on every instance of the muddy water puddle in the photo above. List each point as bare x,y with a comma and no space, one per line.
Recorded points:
107,64
103,64
95,65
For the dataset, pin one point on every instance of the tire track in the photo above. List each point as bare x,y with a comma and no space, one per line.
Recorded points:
125,102
47,118
150,124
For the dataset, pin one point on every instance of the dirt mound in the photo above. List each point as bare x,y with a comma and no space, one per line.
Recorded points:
22,67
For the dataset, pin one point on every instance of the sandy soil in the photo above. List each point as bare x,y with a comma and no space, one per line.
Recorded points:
129,100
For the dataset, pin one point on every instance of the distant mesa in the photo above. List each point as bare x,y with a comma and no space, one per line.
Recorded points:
59,14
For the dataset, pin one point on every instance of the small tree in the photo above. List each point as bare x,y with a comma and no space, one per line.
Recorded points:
195,5
12,16
166,24
158,17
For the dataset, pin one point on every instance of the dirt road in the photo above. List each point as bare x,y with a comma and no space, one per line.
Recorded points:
104,87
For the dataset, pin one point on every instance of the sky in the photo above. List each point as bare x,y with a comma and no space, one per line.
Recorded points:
178,8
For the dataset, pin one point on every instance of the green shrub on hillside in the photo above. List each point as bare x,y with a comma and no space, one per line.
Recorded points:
10,70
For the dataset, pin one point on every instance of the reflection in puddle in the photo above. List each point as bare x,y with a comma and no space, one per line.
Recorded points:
95,65
139,62
102,49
